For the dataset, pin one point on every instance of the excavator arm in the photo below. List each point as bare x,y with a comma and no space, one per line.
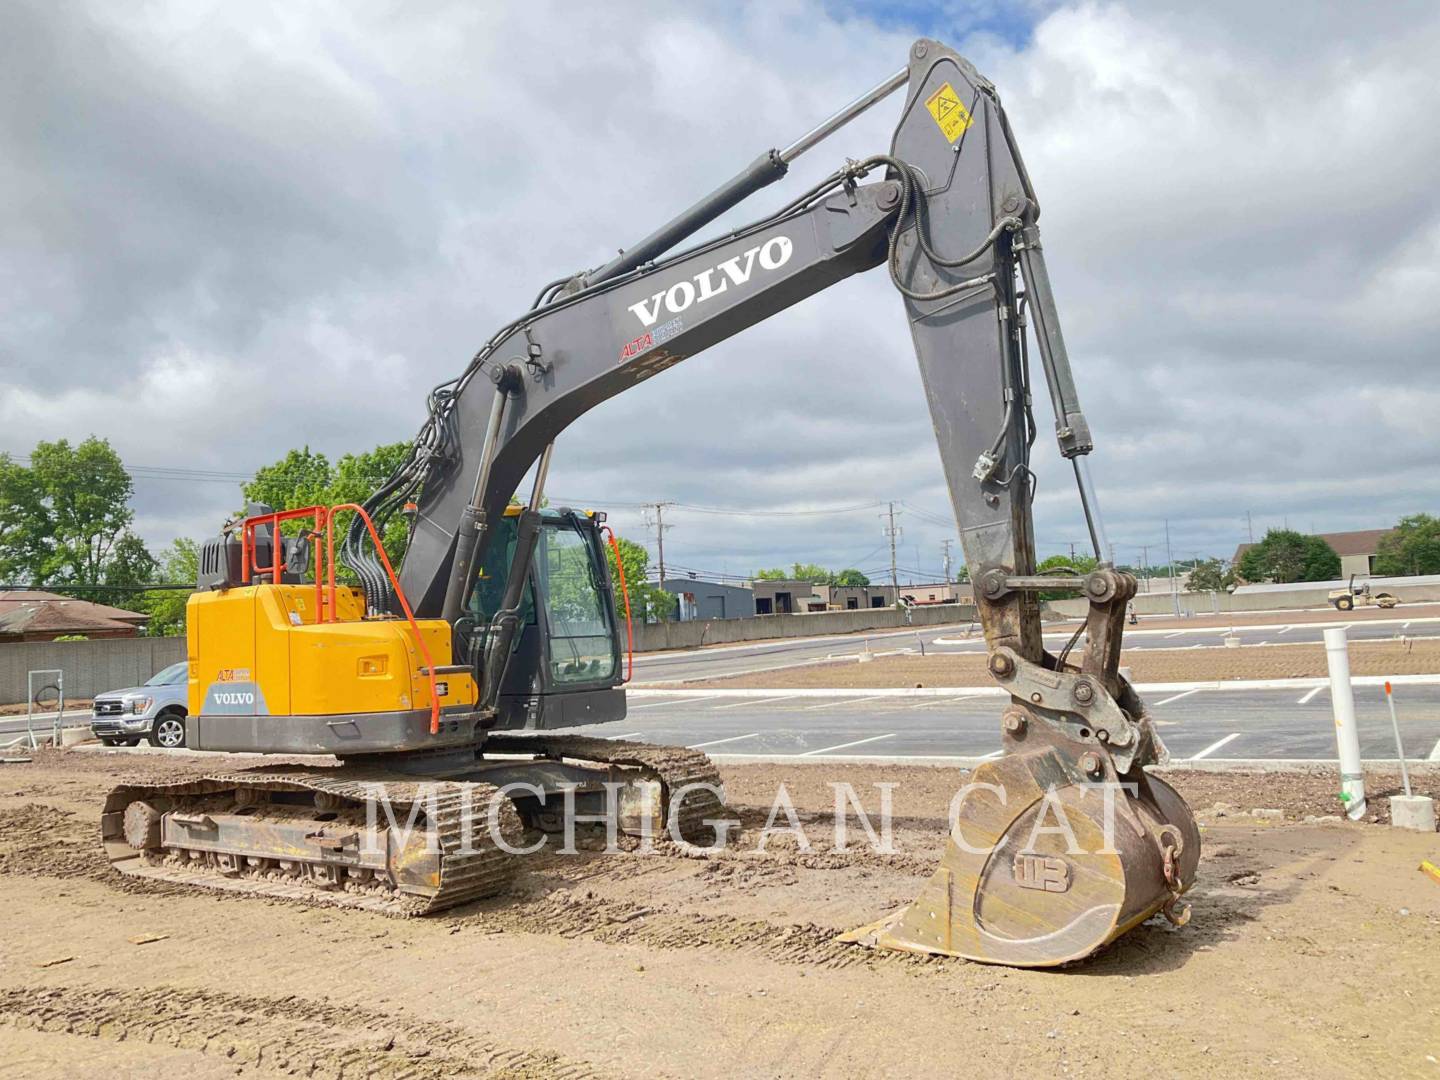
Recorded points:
950,212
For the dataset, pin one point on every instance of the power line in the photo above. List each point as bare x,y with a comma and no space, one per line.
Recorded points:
168,472
729,511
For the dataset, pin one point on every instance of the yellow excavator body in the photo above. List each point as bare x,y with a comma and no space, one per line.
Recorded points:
261,650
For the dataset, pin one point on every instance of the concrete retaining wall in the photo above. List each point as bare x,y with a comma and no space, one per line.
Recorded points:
90,667
1161,603
652,637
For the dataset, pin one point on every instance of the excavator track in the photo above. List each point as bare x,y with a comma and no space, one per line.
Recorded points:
293,834
676,767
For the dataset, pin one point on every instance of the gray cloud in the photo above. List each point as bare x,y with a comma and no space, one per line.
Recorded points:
227,231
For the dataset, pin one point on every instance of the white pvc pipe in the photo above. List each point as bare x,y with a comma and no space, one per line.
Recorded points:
1347,732
1399,745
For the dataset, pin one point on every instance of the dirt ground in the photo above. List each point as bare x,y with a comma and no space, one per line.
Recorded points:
1414,657
1311,952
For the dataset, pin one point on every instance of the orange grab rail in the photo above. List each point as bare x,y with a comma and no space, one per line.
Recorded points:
624,591
325,574
399,593
250,550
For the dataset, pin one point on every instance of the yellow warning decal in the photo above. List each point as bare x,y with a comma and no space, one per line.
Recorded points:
950,115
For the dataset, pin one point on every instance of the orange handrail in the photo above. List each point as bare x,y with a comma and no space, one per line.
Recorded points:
250,550
624,591
399,593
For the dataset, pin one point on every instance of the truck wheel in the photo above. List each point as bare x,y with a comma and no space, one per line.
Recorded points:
169,731
1345,603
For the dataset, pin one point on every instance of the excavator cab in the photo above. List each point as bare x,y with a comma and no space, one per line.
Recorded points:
564,668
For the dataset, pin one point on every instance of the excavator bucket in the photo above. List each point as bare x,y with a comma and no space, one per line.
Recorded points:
1047,863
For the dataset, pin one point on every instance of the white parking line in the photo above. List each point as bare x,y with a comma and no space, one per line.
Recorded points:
1177,633
627,735
843,745
752,701
717,742
1435,754
940,701
1177,697
847,701
686,699
1307,698
1287,629
1215,746
1405,626
991,756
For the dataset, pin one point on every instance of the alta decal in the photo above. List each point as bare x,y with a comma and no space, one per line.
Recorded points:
648,340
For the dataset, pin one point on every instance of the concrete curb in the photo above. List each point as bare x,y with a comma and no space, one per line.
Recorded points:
996,691
1417,766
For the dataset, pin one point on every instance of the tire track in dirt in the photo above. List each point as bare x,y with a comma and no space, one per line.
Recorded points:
565,915
289,1035
46,841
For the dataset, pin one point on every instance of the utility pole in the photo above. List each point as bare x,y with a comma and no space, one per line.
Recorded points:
892,532
945,548
1170,558
660,528
1145,565
1249,527
1072,552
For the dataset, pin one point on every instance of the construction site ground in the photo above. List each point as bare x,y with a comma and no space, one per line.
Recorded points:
1152,665
1311,952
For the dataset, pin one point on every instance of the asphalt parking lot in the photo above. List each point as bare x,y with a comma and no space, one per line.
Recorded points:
1286,721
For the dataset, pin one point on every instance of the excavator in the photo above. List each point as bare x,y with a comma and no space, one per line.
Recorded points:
465,674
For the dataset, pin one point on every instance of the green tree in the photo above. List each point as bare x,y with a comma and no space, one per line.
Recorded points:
1211,575
84,491
1413,547
300,478
357,477
1285,556
179,565
1065,565
851,578
307,478
24,523
816,575
130,563
648,603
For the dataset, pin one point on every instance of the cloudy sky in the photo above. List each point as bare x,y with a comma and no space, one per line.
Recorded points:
231,229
